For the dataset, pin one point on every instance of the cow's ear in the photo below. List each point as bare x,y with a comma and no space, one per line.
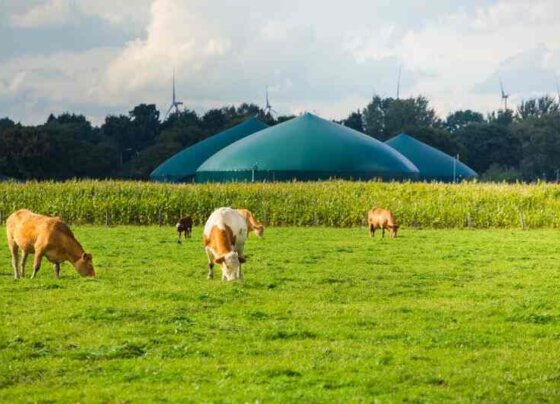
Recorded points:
87,257
220,260
242,260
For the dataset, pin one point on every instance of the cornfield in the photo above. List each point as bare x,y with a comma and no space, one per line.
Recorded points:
336,204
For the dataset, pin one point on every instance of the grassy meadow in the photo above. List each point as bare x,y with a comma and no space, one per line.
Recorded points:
323,315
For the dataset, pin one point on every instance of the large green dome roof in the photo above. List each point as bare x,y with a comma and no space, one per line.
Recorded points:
434,165
306,148
182,166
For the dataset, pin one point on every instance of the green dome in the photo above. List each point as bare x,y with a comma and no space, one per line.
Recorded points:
182,166
306,148
434,165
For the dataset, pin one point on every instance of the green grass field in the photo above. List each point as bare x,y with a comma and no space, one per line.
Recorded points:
324,315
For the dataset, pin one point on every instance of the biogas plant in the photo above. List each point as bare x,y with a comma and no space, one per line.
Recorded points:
308,148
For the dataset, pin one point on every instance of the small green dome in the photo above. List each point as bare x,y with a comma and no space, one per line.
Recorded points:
434,165
182,166
306,148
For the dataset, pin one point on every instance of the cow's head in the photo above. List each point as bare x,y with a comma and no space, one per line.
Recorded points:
85,265
393,230
231,265
259,231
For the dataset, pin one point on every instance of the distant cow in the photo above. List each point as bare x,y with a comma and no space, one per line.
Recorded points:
252,224
224,237
47,237
184,225
382,219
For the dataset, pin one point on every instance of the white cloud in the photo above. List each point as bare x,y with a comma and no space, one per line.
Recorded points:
176,37
315,55
49,13
118,12
53,13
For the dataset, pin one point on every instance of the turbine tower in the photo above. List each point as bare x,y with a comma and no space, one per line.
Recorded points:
174,103
505,96
268,108
399,82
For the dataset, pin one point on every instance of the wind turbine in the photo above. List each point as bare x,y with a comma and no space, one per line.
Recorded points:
399,82
268,108
505,96
174,103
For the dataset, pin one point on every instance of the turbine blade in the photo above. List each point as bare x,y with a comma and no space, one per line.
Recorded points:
502,88
169,110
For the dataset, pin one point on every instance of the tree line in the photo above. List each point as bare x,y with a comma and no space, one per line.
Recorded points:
521,144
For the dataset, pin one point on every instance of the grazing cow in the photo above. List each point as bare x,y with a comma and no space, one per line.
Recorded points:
382,219
47,237
224,237
184,225
252,224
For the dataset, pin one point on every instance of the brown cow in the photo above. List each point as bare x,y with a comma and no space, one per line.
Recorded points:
252,224
47,237
184,225
382,219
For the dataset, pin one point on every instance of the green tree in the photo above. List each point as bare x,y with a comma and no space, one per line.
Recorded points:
460,119
540,141
502,118
27,152
145,125
537,108
6,123
489,143
355,121
441,140
387,117
215,120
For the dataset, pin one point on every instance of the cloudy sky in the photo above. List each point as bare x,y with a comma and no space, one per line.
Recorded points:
100,57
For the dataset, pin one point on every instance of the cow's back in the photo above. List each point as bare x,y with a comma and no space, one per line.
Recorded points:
27,229
24,227
229,217
381,217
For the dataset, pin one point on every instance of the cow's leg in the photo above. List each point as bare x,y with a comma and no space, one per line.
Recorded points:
179,236
210,263
240,273
189,232
14,252
371,230
37,263
383,232
24,255
240,249
56,268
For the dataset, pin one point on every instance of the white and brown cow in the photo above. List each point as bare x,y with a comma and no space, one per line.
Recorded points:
224,237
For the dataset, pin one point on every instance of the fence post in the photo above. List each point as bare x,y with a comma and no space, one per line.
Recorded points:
469,220
160,219
107,218
315,220
522,220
